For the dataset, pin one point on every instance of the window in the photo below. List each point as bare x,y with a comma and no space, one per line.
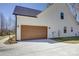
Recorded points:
62,15
65,29
71,29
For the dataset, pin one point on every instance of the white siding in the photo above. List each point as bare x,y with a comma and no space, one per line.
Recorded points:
51,18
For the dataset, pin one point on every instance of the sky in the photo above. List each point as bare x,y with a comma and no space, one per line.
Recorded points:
7,10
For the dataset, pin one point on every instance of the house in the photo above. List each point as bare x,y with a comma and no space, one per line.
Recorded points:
55,21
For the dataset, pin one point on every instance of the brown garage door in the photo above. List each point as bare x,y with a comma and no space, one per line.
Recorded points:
33,32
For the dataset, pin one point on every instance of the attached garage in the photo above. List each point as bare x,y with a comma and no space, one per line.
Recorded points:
33,32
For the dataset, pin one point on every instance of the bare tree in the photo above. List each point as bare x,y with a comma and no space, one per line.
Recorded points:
9,25
6,28
13,25
2,24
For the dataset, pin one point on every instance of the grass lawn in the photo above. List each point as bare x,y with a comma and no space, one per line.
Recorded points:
74,40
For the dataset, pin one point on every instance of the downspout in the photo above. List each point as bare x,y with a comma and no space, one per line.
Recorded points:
16,27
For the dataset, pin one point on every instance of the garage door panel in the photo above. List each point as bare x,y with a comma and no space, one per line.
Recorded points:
33,32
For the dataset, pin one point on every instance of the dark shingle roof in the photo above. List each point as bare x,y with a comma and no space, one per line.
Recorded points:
25,11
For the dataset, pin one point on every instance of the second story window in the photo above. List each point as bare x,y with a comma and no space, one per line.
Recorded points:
62,15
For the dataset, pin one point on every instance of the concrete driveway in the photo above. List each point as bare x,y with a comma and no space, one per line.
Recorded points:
42,47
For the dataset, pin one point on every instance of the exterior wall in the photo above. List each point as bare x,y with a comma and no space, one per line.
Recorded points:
51,18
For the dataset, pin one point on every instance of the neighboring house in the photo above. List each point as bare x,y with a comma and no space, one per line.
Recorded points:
55,21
